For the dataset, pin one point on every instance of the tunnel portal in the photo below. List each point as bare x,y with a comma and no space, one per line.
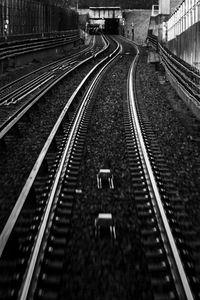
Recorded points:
111,26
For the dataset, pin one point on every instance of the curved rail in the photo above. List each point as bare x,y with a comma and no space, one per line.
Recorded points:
32,46
97,71
50,80
180,278
17,83
186,77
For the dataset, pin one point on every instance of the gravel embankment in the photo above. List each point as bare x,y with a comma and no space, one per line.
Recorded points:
172,123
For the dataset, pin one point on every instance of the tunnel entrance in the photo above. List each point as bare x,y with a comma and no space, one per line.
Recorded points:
112,26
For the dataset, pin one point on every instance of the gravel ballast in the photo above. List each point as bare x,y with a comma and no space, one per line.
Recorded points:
97,268
22,150
171,121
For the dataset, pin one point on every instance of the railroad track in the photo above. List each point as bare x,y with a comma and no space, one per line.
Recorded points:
18,97
159,209
14,49
39,226
50,187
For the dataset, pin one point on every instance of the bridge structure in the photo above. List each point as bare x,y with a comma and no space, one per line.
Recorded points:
107,18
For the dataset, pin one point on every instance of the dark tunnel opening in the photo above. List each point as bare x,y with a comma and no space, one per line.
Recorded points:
111,26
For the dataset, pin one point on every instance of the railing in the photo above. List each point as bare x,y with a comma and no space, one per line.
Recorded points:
187,14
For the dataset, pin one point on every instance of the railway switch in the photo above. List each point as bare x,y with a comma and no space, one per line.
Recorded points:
105,179
104,226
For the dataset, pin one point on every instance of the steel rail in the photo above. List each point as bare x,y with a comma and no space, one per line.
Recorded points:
27,282
36,46
45,68
183,89
23,110
179,266
181,80
24,90
163,50
52,64
21,200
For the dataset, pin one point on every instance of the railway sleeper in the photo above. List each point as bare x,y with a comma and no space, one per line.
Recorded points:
154,256
77,154
142,197
68,191
74,164
145,207
69,178
69,185
77,150
52,281
65,205
148,225
83,130
152,243
58,241
46,295
149,232
80,142
63,211
150,239
158,269
80,138
22,230
167,295
145,214
62,219
53,265
66,198
163,284
130,141
73,173
55,252
133,156
141,184
73,168
134,162
135,170
78,147
10,280
59,230
138,180
130,137
140,190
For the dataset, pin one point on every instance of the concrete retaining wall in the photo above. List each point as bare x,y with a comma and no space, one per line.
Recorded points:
137,24
187,45
190,101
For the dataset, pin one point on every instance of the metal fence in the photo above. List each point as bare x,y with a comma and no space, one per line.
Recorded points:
34,16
